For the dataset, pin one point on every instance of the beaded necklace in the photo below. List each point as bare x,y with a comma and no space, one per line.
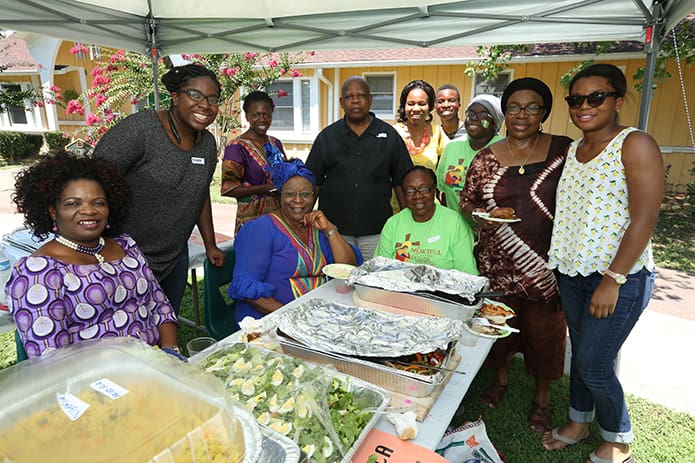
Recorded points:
410,143
94,251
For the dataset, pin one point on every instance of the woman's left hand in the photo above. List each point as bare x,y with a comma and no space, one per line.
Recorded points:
317,219
605,297
216,256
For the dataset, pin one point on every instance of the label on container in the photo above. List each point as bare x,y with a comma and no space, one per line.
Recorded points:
110,389
72,406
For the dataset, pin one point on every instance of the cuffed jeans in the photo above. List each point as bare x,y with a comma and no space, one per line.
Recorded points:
594,386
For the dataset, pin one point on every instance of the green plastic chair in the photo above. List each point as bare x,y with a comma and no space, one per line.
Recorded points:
219,315
21,353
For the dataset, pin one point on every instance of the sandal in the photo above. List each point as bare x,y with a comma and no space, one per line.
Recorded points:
540,419
593,458
555,434
493,394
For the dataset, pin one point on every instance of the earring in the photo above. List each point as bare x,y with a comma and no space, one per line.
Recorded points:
108,225
55,227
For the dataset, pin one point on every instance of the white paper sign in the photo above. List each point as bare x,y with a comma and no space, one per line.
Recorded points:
72,406
110,389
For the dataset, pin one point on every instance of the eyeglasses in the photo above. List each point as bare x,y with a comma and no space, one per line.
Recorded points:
195,95
294,194
595,99
423,190
473,116
531,109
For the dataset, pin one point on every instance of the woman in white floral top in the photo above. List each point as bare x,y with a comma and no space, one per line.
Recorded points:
607,206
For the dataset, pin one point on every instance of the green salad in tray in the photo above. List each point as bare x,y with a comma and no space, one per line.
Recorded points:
305,402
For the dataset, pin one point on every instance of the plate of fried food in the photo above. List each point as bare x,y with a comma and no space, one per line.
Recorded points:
500,214
497,313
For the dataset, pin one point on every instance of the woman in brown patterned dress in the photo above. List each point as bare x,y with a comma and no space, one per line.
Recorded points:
521,172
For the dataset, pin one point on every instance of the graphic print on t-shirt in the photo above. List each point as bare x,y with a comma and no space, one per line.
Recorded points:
403,249
455,175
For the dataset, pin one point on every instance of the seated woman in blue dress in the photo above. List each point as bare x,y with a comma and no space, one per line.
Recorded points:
280,255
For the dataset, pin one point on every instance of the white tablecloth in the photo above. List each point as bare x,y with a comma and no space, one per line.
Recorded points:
434,426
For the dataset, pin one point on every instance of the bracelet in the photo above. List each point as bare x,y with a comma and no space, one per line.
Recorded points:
332,231
176,349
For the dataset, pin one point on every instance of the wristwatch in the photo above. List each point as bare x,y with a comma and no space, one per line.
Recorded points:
618,277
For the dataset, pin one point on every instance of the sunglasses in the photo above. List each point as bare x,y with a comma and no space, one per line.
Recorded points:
595,99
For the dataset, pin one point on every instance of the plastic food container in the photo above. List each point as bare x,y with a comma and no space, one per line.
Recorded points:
118,400
328,414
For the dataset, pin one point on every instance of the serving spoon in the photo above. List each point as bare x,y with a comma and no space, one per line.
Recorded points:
485,322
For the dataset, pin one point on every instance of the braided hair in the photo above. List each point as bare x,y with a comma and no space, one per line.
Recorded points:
177,77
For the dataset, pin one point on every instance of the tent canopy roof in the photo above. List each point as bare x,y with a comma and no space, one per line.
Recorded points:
212,26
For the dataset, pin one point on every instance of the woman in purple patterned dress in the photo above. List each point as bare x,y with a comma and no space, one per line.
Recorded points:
247,158
521,171
88,282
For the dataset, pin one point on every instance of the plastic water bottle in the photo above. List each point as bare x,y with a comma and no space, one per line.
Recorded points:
4,274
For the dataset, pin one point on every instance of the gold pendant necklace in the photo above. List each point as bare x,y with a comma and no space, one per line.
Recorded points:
522,170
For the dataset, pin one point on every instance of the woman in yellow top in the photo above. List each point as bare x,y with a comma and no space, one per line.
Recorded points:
425,141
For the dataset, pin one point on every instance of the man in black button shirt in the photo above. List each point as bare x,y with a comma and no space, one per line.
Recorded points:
357,161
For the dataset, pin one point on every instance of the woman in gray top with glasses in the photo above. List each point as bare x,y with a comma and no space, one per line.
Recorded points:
169,158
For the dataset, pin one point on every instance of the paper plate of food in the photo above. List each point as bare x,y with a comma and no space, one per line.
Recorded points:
495,312
486,331
338,271
501,214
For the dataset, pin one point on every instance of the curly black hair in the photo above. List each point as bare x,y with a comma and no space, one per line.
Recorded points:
410,86
40,185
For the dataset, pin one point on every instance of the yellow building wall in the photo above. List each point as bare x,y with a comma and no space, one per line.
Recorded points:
667,123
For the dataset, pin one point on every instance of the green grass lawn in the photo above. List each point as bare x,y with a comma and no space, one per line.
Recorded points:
674,237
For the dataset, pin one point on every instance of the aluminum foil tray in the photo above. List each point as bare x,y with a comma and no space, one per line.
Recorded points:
416,303
394,275
404,382
373,397
327,326
277,448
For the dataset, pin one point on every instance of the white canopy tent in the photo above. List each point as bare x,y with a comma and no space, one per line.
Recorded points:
162,27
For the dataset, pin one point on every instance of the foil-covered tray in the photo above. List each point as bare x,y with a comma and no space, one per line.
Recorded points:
371,397
277,448
327,326
417,303
395,380
394,275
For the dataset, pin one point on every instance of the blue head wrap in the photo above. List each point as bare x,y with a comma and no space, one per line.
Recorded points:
283,171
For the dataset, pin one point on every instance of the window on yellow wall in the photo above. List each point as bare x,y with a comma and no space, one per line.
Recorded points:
381,87
492,87
296,108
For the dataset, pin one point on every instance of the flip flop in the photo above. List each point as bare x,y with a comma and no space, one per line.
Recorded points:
569,441
593,458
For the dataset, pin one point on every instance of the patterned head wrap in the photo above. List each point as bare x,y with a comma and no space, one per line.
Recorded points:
283,171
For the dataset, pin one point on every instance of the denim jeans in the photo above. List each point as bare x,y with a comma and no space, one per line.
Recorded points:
174,284
594,386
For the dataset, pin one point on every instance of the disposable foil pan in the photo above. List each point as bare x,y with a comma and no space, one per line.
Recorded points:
277,448
404,382
439,307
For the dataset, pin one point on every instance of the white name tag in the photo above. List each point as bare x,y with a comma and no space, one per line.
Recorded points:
198,161
381,135
433,239
72,406
109,388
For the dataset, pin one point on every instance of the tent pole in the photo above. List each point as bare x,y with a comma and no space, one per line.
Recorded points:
155,74
652,45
